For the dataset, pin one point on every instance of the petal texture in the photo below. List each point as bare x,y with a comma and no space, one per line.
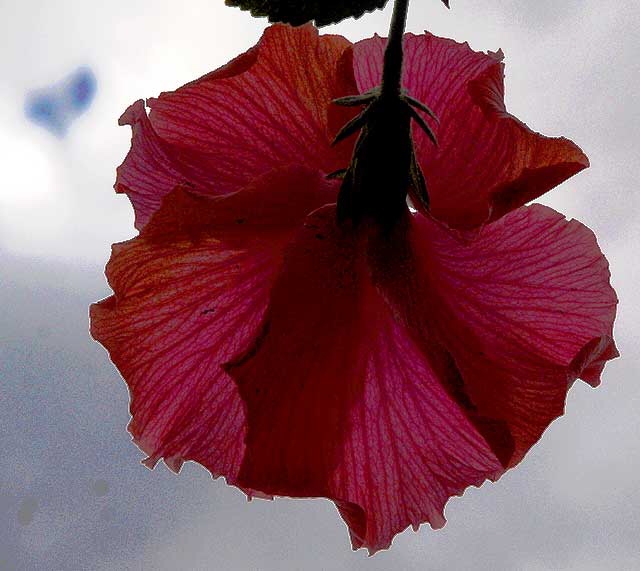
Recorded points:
487,162
394,370
341,402
266,109
188,293
276,112
153,167
522,311
385,369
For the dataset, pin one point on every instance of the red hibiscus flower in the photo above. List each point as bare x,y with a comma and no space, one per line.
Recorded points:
385,369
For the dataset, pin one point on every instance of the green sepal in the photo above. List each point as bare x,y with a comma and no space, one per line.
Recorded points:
423,125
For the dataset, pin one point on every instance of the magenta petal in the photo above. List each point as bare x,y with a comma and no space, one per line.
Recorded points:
267,109
189,292
177,312
147,173
523,310
342,403
153,167
385,369
487,162
410,448
276,111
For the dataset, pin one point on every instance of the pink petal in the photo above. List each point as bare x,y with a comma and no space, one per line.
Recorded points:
523,311
153,167
341,402
487,162
189,292
276,111
410,447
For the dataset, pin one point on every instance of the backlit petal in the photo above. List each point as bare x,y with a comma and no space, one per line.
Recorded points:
522,311
153,167
188,293
487,161
276,111
342,403
387,369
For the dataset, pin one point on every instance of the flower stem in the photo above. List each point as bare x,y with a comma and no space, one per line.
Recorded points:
392,71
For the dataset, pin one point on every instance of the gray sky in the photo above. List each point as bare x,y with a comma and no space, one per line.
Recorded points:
72,492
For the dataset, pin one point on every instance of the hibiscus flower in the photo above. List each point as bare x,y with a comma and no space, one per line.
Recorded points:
298,355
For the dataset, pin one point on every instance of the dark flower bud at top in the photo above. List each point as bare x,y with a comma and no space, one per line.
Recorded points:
321,12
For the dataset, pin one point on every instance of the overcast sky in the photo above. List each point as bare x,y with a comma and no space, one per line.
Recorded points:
73,495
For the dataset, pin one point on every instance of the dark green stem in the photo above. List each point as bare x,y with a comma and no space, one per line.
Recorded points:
392,71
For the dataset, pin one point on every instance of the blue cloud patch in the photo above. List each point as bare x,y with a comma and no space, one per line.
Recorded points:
57,106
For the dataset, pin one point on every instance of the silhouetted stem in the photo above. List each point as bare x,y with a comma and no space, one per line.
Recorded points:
392,71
